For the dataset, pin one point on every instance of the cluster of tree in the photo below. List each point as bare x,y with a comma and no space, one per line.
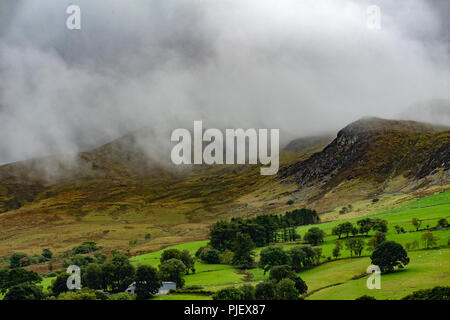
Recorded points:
85,247
18,259
363,227
283,284
298,258
11,278
117,274
436,293
84,260
262,229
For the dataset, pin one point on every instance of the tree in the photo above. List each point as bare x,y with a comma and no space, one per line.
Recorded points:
379,225
343,228
148,282
314,236
429,239
285,290
248,292
442,223
47,254
365,225
18,260
93,277
337,249
188,261
173,270
337,231
279,273
376,240
299,258
389,255
265,290
184,256
211,256
355,245
24,291
229,293
304,256
59,285
416,223
243,251
272,256
118,273
13,277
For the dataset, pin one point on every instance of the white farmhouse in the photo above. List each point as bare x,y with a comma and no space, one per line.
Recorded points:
163,290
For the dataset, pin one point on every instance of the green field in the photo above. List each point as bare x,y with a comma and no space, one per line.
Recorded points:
428,268
333,279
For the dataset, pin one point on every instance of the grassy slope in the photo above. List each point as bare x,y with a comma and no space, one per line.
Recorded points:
428,268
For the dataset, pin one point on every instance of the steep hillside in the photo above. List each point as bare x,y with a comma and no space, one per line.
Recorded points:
118,193
370,157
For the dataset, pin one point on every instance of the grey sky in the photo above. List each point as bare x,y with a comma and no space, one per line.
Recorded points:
301,66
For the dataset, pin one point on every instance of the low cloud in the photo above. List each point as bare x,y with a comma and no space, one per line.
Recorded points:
302,66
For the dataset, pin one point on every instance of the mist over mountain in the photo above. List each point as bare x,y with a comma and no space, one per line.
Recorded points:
434,111
304,67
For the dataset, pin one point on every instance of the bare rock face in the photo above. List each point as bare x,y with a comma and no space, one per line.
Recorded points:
440,158
374,150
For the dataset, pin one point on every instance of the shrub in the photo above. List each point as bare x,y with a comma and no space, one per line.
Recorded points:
47,254
429,239
121,296
19,260
85,247
366,297
226,257
211,256
229,293
314,236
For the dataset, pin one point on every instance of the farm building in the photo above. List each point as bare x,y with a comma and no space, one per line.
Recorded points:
163,290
